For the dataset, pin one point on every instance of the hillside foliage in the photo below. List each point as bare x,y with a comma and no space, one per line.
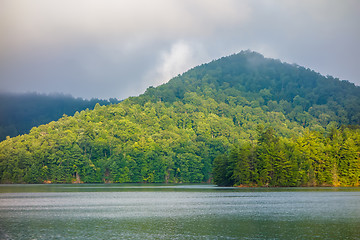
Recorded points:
200,126
310,160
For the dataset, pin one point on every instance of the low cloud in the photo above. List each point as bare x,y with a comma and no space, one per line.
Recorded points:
179,58
44,23
94,48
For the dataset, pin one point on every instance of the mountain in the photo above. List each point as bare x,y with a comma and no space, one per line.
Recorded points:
20,112
199,126
250,79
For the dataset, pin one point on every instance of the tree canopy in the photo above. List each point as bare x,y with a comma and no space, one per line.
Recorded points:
242,119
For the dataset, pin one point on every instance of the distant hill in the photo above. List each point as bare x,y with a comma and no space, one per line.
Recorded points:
20,112
199,126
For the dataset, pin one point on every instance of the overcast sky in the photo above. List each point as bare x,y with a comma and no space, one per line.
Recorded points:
113,48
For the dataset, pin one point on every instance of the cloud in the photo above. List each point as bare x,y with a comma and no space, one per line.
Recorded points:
56,23
94,48
181,57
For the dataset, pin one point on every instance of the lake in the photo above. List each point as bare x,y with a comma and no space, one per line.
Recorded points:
135,211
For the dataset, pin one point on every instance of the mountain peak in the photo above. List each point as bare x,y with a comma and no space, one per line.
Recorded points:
249,74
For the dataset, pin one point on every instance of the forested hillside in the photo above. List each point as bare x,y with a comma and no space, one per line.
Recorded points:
313,159
241,105
20,112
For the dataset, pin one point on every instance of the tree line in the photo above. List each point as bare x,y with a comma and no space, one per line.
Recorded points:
314,159
286,122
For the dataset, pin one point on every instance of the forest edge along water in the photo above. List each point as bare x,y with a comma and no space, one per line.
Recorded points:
241,120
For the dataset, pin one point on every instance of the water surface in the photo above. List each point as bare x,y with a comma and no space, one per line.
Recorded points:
111,211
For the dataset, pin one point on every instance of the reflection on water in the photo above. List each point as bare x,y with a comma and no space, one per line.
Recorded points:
177,212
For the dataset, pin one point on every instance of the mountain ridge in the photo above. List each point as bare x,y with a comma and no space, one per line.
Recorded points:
173,133
310,88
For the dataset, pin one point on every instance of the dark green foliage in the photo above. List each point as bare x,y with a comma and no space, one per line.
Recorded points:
310,160
249,79
204,125
222,170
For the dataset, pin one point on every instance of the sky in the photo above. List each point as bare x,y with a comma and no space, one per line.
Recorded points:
116,49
